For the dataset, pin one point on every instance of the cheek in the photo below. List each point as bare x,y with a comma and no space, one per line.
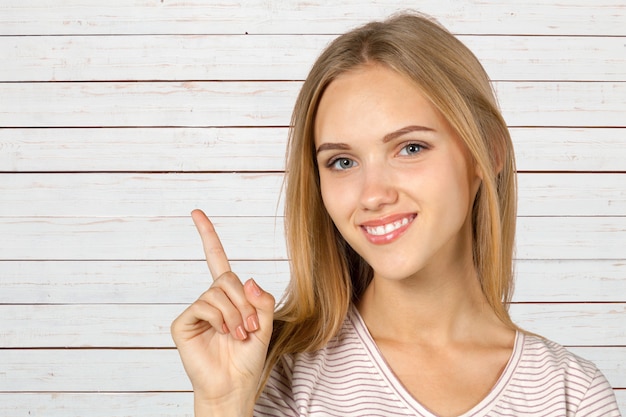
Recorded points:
336,199
328,196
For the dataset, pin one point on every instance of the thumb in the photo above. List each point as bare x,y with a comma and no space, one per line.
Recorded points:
264,303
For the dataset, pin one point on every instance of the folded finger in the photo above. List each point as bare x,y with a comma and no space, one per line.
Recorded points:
232,317
234,290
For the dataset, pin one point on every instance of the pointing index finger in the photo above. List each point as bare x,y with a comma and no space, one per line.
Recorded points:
213,249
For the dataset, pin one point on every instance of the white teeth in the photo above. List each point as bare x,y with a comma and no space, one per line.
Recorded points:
388,228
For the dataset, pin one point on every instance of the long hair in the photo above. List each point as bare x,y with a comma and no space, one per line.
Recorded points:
326,274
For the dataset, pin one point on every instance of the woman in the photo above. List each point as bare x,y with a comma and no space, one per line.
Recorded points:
400,219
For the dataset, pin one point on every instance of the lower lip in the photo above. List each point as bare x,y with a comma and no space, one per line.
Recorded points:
387,237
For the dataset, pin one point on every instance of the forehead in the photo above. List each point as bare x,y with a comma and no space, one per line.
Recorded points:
372,100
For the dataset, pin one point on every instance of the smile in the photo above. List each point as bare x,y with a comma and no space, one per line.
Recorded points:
384,233
388,228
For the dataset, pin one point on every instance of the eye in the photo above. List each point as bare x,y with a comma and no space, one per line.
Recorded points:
341,164
411,149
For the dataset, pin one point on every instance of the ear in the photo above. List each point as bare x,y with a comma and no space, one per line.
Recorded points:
478,171
475,175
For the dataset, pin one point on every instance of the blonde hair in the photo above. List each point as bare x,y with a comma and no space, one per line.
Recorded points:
327,275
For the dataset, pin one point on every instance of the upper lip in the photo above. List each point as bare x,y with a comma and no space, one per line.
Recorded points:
381,221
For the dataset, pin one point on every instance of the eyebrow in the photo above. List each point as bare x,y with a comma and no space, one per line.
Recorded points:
388,137
328,146
407,129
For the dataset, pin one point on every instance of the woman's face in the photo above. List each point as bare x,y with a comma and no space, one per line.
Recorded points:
395,178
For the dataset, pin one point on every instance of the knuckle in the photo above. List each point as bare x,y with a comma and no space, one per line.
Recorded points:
228,278
216,250
209,296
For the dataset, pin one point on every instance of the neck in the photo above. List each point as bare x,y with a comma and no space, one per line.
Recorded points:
436,308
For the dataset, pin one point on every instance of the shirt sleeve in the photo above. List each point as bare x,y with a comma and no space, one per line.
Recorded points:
599,400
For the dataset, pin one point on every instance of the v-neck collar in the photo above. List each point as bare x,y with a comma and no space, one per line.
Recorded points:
392,380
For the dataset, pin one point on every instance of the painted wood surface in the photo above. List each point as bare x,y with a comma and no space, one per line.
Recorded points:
536,17
241,57
259,194
148,325
209,103
258,238
257,149
159,370
117,118
165,281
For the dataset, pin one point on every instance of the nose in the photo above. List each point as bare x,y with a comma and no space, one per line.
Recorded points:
378,189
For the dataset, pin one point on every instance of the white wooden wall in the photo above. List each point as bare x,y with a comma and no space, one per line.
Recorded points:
118,117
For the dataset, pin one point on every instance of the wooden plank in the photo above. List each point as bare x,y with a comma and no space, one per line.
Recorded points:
152,282
147,325
145,149
262,238
562,104
241,57
160,57
128,282
575,17
571,194
87,326
261,149
54,404
93,370
242,194
570,281
144,195
571,237
571,58
147,104
205,103
133,238
145,370
563,149
574,324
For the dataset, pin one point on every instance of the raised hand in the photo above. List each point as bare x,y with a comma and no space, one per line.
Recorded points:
222,338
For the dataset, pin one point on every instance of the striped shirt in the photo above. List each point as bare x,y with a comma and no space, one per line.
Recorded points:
349,377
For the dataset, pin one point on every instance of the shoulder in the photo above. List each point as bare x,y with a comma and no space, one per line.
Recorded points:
543,355
340,379
298,376
339,355
549,373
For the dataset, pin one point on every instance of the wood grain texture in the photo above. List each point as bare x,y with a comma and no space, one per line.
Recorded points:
145,149
125,282
118,404
205,103
243,194
282,57
118,117
141,282
148,325
535,17
159,370
261,149
258,238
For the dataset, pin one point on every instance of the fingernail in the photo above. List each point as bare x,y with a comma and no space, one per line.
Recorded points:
255,288
241,333
253,323
225,328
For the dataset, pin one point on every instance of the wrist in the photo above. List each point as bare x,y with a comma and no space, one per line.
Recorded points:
231,406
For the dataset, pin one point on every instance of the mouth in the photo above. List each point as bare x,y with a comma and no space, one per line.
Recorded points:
386,232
